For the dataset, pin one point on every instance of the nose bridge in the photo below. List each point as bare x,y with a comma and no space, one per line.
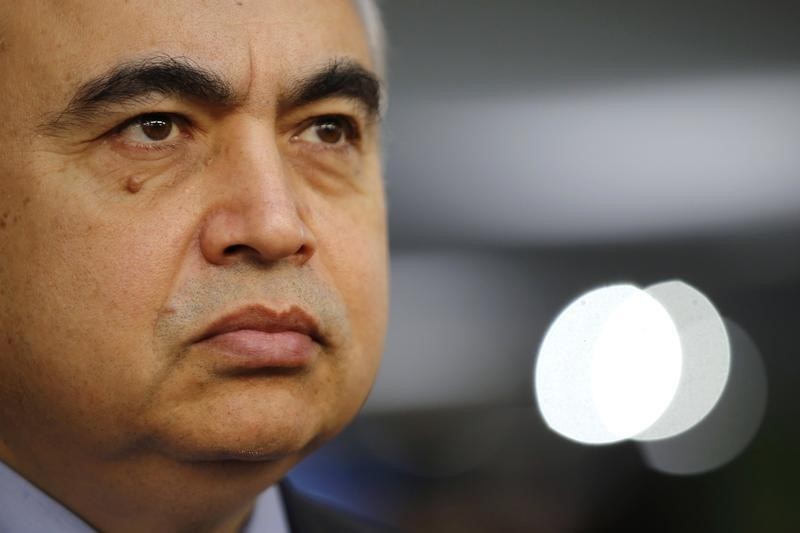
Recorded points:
252,167
255,209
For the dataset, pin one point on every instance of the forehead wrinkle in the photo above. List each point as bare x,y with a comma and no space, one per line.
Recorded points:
252,91
251,69
3,31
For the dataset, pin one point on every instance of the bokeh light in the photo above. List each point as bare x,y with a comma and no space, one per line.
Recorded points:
636,365
659,366
727,430
609,366
706,358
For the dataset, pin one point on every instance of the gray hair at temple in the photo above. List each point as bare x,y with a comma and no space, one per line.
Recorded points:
371,15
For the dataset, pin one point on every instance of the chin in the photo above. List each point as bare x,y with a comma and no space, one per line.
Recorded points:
274,426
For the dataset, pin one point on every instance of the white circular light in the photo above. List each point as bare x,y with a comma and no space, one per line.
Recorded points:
608,366
729,427
706,358
636,365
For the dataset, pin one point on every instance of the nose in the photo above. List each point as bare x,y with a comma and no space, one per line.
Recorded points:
254,212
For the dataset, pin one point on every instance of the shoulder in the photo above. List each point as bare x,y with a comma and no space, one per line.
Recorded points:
308,515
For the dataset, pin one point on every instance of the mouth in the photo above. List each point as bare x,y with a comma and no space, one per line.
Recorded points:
256,337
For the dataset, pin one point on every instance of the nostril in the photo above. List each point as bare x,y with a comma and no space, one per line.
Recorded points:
305,250
236,249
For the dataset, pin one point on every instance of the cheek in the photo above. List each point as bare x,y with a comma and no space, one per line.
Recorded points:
83,274
354,251
88,284
114,272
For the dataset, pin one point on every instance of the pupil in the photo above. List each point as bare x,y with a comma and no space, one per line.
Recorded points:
156,129
329,132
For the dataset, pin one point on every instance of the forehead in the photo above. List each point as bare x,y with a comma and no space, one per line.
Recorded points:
61,42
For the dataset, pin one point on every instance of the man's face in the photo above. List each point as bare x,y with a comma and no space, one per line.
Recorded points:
183,186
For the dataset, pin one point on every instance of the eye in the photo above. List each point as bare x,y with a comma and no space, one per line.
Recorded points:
331,130
151,129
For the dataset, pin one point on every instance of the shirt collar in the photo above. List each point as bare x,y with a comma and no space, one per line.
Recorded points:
269,514
26,508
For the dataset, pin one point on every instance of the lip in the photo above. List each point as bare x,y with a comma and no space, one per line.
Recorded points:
259,337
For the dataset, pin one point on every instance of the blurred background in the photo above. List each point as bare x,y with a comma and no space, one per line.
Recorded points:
536,150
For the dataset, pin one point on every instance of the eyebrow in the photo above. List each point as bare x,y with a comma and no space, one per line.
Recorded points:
136,81
340,78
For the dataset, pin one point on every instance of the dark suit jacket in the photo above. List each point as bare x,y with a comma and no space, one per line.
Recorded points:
307,515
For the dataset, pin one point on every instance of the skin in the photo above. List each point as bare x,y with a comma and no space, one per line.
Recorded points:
115,255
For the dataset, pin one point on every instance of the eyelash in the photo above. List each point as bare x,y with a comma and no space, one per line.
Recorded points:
350,126
180,122
350,129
